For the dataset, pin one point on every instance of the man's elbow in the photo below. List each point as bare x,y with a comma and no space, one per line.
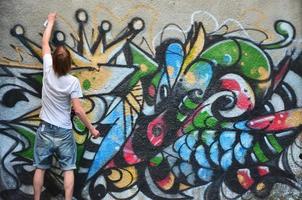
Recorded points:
45,42
78,112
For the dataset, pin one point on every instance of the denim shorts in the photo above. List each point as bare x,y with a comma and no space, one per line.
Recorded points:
52,141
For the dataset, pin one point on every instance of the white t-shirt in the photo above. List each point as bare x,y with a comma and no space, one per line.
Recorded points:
57,93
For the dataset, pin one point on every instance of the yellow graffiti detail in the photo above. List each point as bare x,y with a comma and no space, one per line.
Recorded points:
143,68
195,49
134,100
183,186
260,186
170,70
263,73
123,177
295,118
32,118
101,78
133,104
17,62
80,138
190,78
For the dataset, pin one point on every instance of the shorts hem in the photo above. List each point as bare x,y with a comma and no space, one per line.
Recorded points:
41,166
68,168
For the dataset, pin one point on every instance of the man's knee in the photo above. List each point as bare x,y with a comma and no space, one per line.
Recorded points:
39,170
39,174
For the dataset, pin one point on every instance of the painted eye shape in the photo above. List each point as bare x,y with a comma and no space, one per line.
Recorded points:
12,97
157,130
156,134
17,99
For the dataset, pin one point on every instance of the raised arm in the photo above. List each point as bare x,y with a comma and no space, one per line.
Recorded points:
47,33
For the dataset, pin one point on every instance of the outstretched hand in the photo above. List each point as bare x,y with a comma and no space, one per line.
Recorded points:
95,133
52,16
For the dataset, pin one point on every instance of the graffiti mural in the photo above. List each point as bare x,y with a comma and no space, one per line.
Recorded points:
211,109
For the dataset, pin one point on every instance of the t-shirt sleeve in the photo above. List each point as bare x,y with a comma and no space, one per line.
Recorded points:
47,63
76,90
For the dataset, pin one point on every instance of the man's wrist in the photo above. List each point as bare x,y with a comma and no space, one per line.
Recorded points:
90,127
51,22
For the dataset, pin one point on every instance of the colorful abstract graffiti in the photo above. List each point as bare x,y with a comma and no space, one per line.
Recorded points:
210,109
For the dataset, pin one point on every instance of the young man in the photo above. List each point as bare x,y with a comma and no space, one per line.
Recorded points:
54,135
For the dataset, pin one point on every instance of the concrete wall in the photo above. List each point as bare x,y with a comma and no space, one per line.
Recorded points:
194,99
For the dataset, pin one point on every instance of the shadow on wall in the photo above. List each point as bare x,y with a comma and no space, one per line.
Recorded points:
210,109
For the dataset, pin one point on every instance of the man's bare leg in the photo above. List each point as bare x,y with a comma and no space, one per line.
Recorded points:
68,184
38,183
